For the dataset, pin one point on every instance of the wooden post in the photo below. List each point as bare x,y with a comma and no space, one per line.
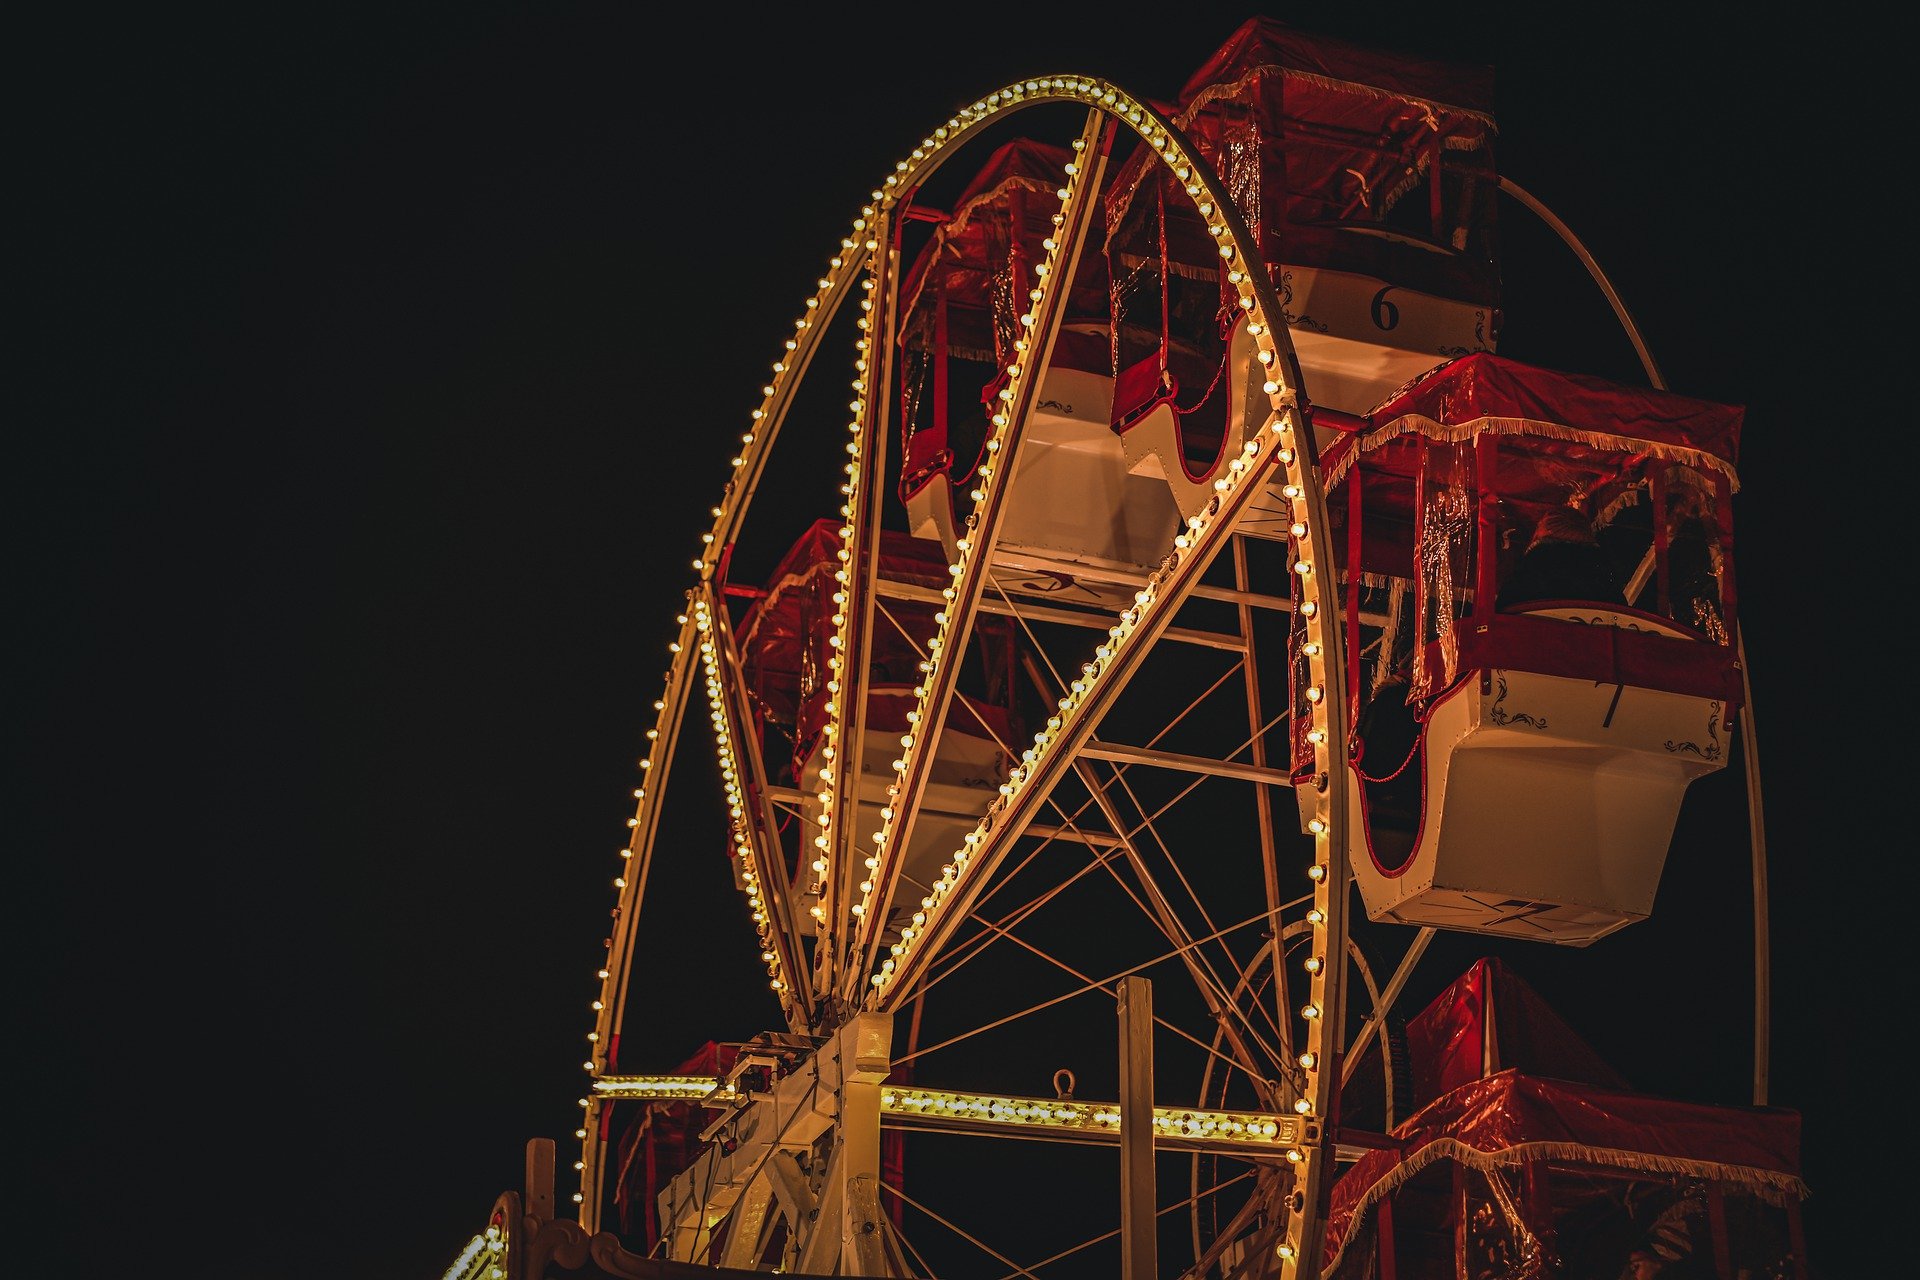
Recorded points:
861,1064
539,1178
1138,1224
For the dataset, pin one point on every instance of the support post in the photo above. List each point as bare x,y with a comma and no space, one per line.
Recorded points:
863,1063
539,1178
1139,1226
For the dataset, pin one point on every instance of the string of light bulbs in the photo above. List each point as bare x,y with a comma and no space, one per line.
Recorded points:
1273,444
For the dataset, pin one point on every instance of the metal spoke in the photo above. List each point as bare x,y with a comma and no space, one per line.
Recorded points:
1219,1000
1193,1199
973,1240
1079,991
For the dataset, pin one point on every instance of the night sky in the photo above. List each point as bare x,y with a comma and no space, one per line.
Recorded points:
380,371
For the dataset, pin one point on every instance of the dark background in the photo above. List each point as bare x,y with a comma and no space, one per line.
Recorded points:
378,371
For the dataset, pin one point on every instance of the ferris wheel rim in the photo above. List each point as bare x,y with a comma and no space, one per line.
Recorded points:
1286,399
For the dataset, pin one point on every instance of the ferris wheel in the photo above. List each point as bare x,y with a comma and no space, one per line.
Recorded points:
1098,768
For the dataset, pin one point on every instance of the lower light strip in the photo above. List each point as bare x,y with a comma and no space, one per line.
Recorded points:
1063,1117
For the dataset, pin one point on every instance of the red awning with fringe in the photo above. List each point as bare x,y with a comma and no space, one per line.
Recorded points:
963,296
1510,1119
1572,417
785,639
1008,207
1500,1081
1488,1019
1345,157
1563,437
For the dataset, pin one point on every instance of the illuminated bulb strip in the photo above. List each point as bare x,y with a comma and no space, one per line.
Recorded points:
627,893
1273,442
853,251
842,685
481,1259
738,826
665,1088
990,474
754,442
1252,1129
1240,1128
1258,453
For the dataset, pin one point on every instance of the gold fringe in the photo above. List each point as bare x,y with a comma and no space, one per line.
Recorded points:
1214,92
1209,274
1774,1188
964,214
957,223
1446,434
1628,498
1120,202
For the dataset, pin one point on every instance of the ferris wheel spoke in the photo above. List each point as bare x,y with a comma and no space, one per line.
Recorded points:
831,293
976,547
847,675
1219,997
959,955
969,1237
1245,1212
1384,1001
901,1236
1262,799
1167,857
1213,989
1106,984
759,839
1184,947
967,950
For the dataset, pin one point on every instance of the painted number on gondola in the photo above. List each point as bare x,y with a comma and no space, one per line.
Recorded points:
1607,722
1385,314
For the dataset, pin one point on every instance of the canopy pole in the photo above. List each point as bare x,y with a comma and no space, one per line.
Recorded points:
1749,750
1514,189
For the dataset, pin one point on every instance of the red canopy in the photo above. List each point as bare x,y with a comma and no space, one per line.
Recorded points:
1459,94
1561,436
964,293
1488,1019
1510,1119
1319,141
1006,209
1501,1080
1586,416
784,639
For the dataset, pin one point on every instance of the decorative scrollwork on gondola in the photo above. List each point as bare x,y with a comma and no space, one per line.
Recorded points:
1285,286
1712,750
1501,716
1479,339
